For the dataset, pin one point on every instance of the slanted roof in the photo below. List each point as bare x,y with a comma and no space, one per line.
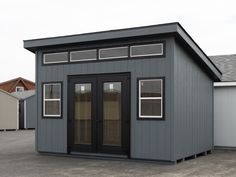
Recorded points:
3,91
174,29
10,85
24,94
227,65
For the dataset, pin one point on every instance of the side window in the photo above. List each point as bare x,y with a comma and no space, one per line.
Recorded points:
150,98
19,89
52,100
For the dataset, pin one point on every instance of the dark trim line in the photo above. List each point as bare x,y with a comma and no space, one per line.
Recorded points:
105,31
61,102
98,47
199,48
107,157
163,98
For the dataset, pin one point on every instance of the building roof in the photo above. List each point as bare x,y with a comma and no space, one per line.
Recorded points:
9,94
227,65
10,85
24,94
174,29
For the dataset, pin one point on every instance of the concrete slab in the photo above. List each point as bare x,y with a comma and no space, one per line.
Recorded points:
18,159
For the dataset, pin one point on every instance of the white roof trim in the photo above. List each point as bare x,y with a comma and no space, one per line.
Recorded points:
224,84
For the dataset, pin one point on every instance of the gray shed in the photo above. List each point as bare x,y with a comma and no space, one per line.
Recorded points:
27,109
225,102
140,93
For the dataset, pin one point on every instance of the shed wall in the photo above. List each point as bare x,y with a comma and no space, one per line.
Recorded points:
150,139
8,112
31,113
193,106
225,116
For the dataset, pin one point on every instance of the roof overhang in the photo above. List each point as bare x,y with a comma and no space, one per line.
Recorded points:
164,29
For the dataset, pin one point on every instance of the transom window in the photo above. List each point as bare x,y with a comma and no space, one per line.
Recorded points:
116,52
109,53
146,50
59,57
83,55
52,100
151,98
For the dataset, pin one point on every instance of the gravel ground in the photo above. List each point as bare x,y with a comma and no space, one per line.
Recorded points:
18,159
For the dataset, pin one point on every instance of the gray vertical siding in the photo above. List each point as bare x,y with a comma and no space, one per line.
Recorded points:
31,114
224,116
150,139
193,106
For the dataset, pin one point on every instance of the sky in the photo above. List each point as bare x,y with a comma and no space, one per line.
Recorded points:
211,23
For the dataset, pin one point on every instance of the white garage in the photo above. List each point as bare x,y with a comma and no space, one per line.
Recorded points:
225,103
225,115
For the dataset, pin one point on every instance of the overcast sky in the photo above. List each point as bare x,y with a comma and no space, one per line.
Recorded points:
211,23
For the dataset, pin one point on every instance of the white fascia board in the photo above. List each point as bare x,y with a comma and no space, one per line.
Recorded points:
224,84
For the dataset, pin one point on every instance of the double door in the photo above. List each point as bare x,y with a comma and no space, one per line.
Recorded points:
99,114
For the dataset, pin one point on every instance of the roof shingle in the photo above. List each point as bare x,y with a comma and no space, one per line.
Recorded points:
227,65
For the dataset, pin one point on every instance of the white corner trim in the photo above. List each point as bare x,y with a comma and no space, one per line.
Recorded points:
224,84
25,114
17,115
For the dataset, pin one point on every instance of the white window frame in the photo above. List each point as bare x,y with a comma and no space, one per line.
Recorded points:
150,98
20,87
156,54
57,99
44,62
106,58
88,59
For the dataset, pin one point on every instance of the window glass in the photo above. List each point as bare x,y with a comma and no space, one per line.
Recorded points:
52,91
52,107
117,52
55,57
151,107
151,88
151,98
19,89
52,100
146,50
83,55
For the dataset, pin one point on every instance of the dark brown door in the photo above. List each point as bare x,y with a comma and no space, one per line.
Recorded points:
21,115
99,113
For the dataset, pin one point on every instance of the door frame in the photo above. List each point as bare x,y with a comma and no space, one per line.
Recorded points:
97,112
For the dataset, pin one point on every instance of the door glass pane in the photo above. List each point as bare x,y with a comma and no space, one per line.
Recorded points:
112,113
82,119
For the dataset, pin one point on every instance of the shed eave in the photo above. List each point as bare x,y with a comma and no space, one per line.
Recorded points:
162,29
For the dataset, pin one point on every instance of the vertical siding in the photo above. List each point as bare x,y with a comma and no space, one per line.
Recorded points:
8,111
31,112
150,139
224,116
193,106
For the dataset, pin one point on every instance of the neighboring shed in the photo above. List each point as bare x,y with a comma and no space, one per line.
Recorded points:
140,93
225,102
27,109
9,118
